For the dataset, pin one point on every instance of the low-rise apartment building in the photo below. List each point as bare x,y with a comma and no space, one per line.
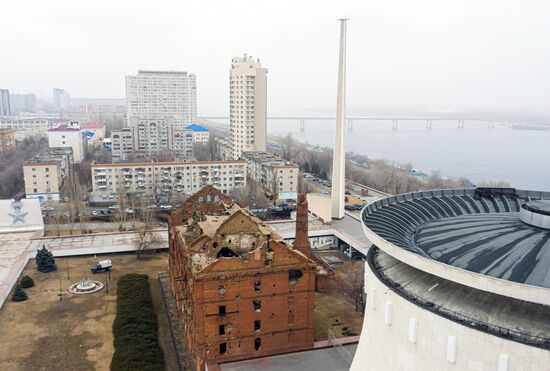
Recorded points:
94,132
68,135
7,140
166,178
45,174
145,138
200,133
25,126
122,144
275,174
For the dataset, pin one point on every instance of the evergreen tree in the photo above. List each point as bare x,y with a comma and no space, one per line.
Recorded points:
19,294
307,169
45,261
324,175
26,282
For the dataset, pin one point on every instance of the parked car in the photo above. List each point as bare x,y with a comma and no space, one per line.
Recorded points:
103,265
46,208
166,207
128,211
113,207
105,212
95,213
152,206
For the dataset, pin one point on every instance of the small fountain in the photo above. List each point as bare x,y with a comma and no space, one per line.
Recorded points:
86,286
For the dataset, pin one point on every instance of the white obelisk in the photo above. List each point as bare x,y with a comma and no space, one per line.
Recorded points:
339,156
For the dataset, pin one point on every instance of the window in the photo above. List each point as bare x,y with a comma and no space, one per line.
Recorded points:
257,325
223,348
257,285
221,330
257,344
221,290
257,305
221,311
294,275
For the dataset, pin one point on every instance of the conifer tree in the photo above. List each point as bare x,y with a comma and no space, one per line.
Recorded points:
45,261
26,282
19,294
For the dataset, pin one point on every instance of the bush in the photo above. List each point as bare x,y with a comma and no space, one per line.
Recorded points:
45,261
135,327
26,282
19,294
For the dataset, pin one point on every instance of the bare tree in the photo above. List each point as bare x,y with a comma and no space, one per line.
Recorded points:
349,280
75,194
252,195
147,238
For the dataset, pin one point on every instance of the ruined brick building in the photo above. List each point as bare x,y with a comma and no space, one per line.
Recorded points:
241,291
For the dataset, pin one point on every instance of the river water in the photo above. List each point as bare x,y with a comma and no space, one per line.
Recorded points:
518,156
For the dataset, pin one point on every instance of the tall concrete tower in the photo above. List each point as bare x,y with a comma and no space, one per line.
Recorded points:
339,156
248,106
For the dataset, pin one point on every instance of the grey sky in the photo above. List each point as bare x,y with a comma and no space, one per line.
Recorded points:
433,54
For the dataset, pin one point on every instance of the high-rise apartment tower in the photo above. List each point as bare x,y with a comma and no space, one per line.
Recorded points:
5,102
247,106
153,95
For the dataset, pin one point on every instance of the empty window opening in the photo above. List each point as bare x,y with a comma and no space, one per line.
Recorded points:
257,305
221,290
294,275
221,330
221,310
223,348
257,325
257,344
257,285
226,252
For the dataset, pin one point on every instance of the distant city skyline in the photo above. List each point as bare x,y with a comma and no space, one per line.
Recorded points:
431,54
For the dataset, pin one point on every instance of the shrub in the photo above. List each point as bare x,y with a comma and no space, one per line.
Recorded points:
45,261
135,327
26,282
19,294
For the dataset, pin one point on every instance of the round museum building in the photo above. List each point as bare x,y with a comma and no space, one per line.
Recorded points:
457,280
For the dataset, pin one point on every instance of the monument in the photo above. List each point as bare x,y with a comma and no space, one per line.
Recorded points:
339,155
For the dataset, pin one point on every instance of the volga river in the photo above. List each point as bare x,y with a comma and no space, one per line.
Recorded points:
519,156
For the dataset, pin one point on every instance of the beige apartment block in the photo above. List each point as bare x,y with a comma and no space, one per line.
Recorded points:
43,180
276,175
166,177
247,106
7,139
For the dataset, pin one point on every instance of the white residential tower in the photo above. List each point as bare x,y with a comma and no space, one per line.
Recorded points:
247,106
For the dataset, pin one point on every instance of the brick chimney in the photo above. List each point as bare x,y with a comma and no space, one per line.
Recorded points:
301,242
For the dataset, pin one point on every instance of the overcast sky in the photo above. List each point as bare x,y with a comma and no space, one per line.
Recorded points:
428,54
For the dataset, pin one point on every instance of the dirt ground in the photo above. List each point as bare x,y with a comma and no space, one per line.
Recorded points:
44,333
334,311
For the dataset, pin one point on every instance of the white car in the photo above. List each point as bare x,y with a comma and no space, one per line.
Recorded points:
153,206
113,207
166,207
128,211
